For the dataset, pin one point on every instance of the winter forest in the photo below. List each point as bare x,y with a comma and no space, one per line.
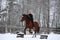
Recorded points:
46,12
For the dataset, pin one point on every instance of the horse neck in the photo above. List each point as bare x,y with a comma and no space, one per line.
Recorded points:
27,21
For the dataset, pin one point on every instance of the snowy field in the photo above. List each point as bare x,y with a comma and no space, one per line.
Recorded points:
9,36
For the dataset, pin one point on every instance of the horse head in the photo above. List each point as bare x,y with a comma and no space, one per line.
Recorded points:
24,17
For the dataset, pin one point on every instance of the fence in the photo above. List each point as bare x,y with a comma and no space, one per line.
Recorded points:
14,29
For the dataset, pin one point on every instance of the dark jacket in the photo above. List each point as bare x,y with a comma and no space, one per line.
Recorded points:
31,18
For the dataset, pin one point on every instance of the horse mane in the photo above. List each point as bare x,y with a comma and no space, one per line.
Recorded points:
26,15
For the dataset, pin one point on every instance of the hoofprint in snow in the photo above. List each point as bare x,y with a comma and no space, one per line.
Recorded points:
9,36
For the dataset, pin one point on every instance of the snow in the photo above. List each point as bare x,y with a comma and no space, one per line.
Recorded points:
9,36
53,36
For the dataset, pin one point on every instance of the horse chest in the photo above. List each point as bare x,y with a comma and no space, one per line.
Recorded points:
28,25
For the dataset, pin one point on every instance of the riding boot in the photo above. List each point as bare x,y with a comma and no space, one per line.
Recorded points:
32,24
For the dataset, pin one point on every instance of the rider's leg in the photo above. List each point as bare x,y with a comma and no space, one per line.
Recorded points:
32,23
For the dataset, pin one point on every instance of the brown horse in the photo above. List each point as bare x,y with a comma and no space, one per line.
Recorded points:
29,24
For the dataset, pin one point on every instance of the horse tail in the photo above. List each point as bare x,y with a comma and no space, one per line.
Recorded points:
38,30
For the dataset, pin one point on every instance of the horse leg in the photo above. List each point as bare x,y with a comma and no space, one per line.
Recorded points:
35,33
25,31
30,31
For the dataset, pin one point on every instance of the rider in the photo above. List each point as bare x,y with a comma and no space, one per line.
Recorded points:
31,17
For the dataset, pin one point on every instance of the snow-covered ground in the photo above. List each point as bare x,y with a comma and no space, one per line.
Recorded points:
9,36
